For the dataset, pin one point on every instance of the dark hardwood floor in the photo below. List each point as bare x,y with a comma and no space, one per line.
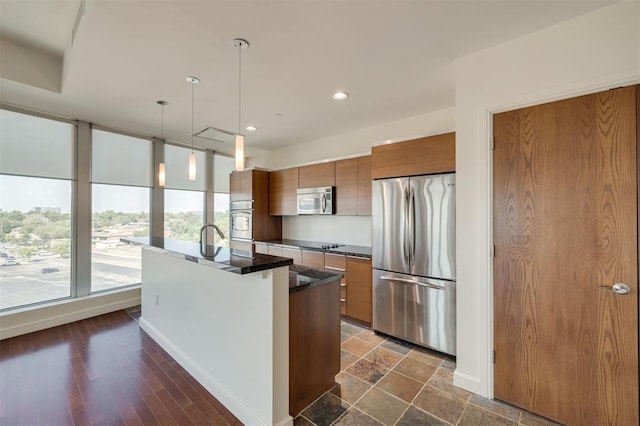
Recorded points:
100,371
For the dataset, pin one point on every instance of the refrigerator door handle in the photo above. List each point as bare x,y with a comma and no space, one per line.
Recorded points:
412,225
405,237
408,281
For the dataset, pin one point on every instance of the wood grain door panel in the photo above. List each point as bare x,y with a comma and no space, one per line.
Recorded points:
565,223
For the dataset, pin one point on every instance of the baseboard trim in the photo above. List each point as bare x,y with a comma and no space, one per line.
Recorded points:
16,323
467,382
217,389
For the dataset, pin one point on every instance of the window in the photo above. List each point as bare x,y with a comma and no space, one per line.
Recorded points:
121,199
222,167
184,200
35,209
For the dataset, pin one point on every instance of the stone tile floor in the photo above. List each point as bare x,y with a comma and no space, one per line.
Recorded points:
385,381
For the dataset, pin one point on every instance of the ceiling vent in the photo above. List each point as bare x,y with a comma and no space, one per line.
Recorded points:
216,135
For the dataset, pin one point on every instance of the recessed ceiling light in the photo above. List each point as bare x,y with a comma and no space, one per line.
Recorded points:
251,128
340,96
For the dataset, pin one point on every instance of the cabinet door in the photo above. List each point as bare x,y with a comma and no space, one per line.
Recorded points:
262,248
241,185
313,259
283,185
294,254
430,155
347,187
275,251
364,186
322,174
359,299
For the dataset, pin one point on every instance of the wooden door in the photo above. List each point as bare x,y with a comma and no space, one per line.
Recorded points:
565,224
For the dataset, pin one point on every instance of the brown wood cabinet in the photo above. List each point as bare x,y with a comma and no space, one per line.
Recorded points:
262,248
254,185
241,185
294,254
283,185
347,187
359,289
338,262
314,343
364,185
315,175
433,154
275,251
313,259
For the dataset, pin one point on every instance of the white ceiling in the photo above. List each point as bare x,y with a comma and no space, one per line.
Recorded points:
394,57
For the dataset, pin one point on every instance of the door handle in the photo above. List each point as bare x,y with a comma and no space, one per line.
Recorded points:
618,288
408,281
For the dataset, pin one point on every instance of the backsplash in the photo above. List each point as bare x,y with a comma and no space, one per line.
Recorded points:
354,230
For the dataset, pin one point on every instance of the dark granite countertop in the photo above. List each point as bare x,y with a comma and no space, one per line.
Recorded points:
302,277
215,256
349,250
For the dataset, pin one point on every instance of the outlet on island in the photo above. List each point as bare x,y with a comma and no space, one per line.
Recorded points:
157,299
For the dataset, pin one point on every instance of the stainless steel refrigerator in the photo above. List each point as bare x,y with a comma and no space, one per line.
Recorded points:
414,267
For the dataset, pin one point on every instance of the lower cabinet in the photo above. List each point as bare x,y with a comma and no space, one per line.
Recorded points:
313,259
359,289
314,344
356,286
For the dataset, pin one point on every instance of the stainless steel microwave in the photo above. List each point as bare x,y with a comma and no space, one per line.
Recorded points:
316,200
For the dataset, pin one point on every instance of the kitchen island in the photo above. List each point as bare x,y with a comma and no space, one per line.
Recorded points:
225,319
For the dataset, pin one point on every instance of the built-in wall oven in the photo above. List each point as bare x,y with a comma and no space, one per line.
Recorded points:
241,226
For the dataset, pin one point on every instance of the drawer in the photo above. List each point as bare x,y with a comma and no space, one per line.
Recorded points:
275,251
313,259
295,254
262,248
335,261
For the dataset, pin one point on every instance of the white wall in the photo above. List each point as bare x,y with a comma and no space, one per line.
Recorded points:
229,331
356,142
354,230
590,53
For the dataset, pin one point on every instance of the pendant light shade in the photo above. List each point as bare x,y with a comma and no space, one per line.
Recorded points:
239,152
192,157
161,167
240,44
192,166
161,174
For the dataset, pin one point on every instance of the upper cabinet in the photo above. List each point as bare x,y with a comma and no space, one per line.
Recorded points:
364,185
317,175
353,186
433,154
283,185
347,187
241,185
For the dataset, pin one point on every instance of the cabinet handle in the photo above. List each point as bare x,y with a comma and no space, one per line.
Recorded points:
343,285
334,269
343,300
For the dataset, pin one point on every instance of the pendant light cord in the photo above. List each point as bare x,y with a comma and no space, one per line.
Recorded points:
192,83
239,84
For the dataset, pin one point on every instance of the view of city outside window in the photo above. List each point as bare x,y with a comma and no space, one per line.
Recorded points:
120,206
117,211
184,199
35,209
222,167
183,214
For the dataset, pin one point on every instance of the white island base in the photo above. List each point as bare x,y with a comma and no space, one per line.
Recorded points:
229,331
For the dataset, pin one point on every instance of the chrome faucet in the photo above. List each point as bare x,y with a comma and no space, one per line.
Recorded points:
203,248
207,225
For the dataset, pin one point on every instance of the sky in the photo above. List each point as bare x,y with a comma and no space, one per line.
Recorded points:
25,193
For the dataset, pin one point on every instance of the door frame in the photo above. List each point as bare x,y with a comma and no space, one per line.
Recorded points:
488,113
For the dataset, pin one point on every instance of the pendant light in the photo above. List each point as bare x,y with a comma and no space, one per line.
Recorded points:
192,157
240,44
161,166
